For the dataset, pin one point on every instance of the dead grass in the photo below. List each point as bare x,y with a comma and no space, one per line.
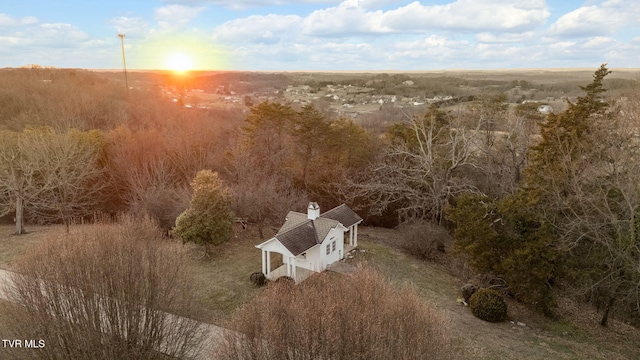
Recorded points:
223,285
539,338
223,278
12,246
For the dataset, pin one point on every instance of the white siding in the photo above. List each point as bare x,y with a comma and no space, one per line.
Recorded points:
336,235
311,260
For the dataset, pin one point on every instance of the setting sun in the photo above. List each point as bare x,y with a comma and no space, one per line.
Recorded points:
179,62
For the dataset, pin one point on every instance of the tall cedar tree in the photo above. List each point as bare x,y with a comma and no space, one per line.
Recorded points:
523,237
208,220
582,177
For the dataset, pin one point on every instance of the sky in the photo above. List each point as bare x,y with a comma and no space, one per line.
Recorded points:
323,35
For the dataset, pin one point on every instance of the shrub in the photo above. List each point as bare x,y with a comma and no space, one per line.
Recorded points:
424,240
285,281
329,316
258,279
105,291
488,305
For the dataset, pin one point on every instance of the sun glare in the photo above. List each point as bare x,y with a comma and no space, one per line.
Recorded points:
179,62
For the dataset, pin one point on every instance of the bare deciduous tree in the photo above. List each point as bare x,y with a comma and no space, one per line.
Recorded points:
52,176
70,177
423,166
263,197
506,158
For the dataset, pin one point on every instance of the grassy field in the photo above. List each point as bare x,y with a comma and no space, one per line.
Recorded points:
222,284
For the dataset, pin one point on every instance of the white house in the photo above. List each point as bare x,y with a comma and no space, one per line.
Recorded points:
545,109
310,242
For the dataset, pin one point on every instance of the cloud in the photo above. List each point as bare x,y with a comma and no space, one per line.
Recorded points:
486,37
594,20
245,4
353,17
54,35
348,18
470,15
8,21
431,49
599,42
416,36
258,29
132,27
174,16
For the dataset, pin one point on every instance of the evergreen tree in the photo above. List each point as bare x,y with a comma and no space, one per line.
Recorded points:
208,220
583,179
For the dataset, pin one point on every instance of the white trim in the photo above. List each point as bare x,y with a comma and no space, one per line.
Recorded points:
280,249
269,263
293,265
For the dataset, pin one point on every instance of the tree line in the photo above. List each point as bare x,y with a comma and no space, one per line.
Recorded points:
571,223
540,204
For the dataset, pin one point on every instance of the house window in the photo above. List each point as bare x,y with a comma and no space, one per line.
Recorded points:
328,249
333,246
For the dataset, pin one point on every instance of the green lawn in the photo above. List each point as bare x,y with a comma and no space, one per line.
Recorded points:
222,280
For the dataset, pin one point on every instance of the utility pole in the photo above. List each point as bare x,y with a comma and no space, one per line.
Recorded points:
124,62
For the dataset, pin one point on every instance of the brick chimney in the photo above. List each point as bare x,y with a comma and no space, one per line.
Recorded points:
313,211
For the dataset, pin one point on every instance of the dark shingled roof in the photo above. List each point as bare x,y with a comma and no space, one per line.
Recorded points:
300,238
292,220
299,234
342,214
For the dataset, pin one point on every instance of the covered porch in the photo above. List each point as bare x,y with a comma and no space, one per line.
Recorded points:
301,274
288,267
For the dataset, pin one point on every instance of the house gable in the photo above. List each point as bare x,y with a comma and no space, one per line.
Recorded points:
274,245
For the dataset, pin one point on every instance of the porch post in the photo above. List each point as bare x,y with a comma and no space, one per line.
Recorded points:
268,263
351,235
288,262
355,235
264,262
293,270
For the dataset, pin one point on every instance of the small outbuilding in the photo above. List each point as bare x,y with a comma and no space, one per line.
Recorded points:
310,242
545,109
